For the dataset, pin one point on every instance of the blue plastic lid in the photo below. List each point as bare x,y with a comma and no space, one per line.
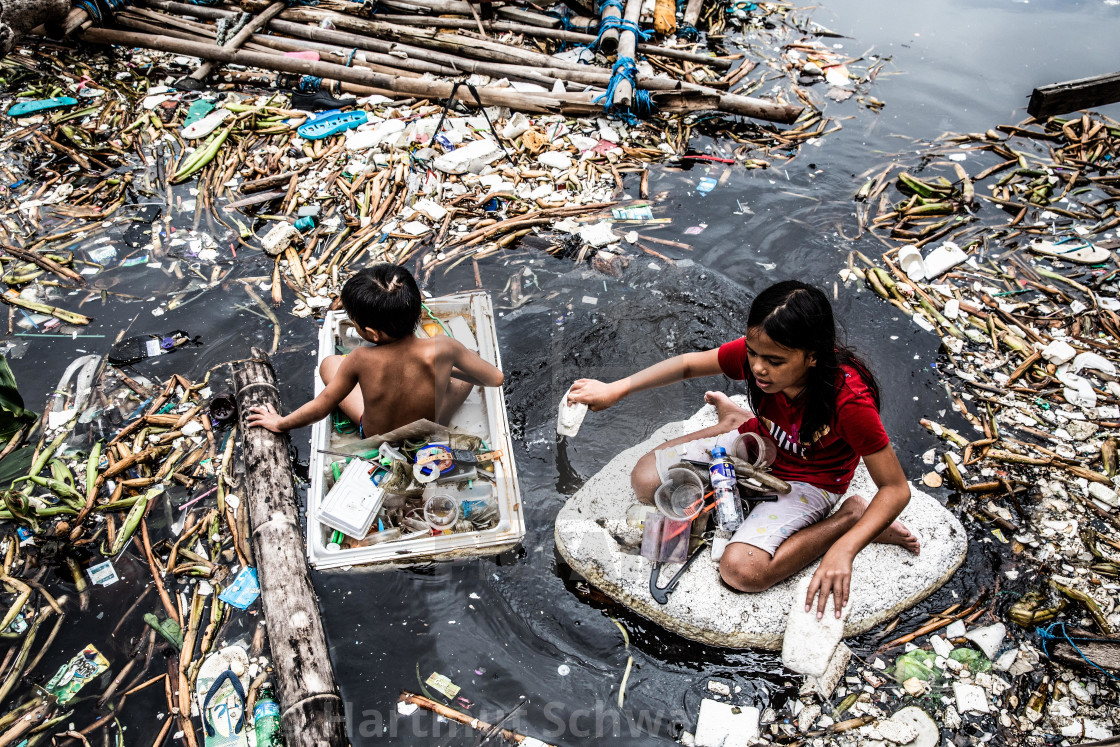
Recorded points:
718,451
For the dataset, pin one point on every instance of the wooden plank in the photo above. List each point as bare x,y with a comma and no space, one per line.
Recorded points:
1072,95
1104,655
311,709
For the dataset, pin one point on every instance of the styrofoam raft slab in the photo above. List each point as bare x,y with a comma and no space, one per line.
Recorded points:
592,535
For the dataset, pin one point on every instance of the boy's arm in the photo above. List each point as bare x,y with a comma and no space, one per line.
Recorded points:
469,366
598,395
344,381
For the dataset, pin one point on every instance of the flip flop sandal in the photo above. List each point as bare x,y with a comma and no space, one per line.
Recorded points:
221,727
198,110
1067,249
332,124
28,108
206,125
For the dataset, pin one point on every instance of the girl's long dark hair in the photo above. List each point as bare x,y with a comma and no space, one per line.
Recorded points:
798,316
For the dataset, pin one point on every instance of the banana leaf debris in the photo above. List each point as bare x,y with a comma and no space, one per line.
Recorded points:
130,483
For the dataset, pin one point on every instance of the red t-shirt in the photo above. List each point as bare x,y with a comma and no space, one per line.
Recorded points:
830,460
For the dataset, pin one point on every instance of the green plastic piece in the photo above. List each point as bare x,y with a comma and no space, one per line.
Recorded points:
917,663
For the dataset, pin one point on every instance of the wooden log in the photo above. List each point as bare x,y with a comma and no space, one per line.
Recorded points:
1083,93
18,17
1105,655
259,21
311,708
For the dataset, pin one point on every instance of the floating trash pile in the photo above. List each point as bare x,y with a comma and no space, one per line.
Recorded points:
126,481
1011,263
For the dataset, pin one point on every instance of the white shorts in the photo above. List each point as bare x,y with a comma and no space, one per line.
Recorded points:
770,523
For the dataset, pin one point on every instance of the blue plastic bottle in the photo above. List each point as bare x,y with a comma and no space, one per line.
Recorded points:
729,509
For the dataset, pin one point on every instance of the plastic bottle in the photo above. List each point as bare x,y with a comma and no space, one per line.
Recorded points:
729,509
266,719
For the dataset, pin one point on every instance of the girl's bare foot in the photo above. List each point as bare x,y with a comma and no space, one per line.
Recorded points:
896,534
728,413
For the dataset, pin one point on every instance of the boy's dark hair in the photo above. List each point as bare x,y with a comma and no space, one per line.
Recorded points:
384,297
798,316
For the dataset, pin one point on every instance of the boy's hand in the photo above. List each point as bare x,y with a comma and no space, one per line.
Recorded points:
597,395
265,417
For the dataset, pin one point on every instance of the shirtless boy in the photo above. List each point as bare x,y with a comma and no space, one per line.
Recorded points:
400,378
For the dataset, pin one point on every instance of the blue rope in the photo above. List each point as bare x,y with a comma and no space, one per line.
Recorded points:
625,68
308,84
1046,635
622,25
350,59
91,10
617,4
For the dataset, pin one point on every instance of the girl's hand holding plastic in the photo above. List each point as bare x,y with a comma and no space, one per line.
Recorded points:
596,394
833,576
266,417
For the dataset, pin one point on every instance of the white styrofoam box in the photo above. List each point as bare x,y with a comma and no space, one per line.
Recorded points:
354,501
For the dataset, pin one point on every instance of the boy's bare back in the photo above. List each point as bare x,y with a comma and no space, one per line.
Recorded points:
402,382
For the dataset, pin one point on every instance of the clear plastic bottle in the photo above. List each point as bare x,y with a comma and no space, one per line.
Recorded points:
729,509
266,719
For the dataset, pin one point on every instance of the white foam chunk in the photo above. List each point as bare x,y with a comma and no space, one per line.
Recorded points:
809,643
988,639
570,417
725,725
970,698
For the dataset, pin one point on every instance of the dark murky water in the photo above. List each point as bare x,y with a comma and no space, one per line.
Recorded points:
518,625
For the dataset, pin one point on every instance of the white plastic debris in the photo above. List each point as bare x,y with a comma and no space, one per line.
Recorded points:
955,629
940,646
279,238
970,698
927,733
570,416
809,643
1104,494
555,159
911,262
988,638
517,126
1059,352
943,258
897,732
724,725
472,157
430,208
1094,362
598,234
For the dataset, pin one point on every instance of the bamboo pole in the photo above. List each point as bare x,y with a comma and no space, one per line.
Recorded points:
311,709
608,40
573,103
692,13
627,46
252,26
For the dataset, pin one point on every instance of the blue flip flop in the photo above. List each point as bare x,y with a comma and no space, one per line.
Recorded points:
27,108
224,718
331,123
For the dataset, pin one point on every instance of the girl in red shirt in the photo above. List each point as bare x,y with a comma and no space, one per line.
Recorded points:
817,404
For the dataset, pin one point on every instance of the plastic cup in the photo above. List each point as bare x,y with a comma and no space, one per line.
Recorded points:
441,511
681,496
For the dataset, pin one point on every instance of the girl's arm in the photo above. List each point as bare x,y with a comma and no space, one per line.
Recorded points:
342,384
598,395
469,366
835,572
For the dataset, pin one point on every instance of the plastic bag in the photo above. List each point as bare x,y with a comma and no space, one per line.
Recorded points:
971,658
917,663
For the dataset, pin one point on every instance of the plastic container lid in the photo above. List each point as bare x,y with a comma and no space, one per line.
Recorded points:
441,511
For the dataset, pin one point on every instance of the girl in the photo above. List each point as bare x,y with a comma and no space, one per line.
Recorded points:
818,405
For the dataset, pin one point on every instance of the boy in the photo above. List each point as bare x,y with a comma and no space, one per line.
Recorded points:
401,378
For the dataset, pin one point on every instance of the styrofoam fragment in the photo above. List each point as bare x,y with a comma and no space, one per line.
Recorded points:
279,238
970,698
570,416
809,643
724,725
1059,352
598,234
555,159
472,157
